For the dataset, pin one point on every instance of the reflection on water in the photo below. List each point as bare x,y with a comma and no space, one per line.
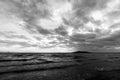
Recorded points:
70,66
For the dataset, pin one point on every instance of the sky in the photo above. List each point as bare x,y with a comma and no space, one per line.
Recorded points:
59,25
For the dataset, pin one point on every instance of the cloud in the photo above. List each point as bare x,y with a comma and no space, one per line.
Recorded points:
95,17
77,24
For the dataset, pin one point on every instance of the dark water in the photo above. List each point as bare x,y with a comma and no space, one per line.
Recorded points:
77,66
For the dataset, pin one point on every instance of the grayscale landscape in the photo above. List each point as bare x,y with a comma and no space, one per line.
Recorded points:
59,39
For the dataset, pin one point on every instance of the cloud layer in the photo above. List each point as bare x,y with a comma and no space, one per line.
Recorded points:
64,25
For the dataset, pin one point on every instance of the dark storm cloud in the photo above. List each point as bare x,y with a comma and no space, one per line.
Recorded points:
82,37
61,31
42,31
114,39
96,44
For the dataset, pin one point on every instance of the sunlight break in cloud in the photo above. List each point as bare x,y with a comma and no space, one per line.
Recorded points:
59,25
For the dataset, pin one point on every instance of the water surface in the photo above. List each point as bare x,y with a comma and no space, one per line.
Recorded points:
58,66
